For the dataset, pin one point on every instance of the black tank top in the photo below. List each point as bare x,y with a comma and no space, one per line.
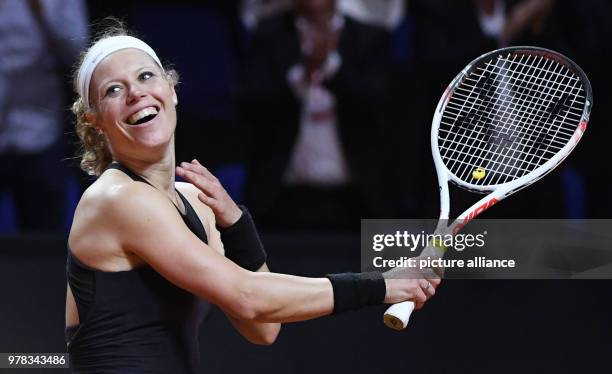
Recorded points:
134,321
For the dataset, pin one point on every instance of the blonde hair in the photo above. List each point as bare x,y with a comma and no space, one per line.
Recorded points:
94,151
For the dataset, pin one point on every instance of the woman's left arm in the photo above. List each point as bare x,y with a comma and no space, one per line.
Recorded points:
237,230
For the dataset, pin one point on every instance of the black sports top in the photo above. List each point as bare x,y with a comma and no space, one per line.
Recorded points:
134,321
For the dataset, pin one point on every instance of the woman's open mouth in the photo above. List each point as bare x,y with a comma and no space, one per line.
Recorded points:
143,116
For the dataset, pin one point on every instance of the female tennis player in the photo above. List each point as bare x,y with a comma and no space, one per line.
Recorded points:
145,254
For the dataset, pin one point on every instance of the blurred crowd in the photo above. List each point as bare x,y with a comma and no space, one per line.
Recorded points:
314,113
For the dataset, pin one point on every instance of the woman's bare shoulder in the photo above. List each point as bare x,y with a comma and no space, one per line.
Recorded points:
113,199
107,192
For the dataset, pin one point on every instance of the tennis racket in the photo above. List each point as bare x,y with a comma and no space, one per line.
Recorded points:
509,118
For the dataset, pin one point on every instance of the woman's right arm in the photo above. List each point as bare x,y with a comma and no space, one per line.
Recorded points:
148,225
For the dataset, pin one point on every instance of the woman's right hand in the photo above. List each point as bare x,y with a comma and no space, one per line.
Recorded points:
410,285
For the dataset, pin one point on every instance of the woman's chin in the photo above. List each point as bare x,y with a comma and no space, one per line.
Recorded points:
154,139
150,148
157,145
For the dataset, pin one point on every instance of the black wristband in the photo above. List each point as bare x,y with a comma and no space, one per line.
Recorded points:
242,244
356,290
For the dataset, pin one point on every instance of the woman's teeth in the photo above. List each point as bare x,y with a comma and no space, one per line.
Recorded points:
138,117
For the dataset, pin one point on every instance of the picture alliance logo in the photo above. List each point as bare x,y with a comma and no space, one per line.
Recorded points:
412,242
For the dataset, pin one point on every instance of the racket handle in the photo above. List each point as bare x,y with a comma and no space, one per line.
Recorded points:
397,316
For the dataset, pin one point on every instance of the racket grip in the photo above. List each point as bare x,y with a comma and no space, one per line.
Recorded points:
397,316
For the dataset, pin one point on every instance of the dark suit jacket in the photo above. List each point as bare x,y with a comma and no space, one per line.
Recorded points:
273,112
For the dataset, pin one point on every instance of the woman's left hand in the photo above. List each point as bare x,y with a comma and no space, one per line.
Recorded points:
212,192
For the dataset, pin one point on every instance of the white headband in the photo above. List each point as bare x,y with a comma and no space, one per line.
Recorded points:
102,49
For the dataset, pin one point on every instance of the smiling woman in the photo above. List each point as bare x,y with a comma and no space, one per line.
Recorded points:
95,155
146,254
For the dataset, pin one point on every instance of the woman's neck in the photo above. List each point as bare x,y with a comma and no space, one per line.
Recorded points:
160,173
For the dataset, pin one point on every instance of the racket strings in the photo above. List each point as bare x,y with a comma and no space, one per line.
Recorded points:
532,73
529,136
509,116
485,116
502,107
538,138
489,100
540,109
520,112
503,140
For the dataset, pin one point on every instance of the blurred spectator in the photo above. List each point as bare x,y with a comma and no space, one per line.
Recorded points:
39,41
384,13
315,100
451,33
252,11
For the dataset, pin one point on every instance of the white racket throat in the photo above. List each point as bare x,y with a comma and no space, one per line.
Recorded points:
509,118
